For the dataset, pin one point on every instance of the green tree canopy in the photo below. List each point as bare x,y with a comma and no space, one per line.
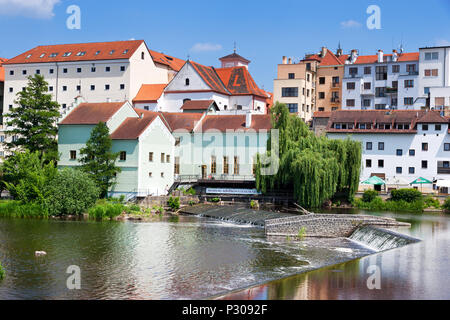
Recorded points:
98,159
33,120
315,168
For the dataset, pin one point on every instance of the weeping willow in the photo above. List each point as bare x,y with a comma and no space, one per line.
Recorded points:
314,168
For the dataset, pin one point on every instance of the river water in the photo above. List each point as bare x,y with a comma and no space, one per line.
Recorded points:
197,258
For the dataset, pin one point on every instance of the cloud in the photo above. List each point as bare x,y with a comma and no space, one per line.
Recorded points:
442,43
40,9
204,47
350,24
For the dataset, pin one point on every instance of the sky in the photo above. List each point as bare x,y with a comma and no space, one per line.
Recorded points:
206,30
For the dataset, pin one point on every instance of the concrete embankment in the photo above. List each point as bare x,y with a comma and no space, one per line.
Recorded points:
283,224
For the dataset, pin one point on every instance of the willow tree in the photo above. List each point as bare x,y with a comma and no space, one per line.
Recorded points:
314,168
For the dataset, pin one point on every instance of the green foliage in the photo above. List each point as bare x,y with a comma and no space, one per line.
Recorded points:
2,272
25,176
446,205
106,210
253,204
190,192
378,204
191,203
302,233
70,192
315,168
369,195
408,195
174,203
159,209
20,210
215,200
33,120
431,202
98,160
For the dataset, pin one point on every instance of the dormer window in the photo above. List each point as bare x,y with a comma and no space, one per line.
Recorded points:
112,52
97,53
67,54
125,51
42,55
53,55
81,53
29,56
187,81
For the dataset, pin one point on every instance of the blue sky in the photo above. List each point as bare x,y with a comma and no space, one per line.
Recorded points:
207,29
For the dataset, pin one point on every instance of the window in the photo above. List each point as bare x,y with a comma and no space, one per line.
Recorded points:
291,75
353,71
399,152
432,56
187,81
380,92
395,84
425,127
65,70
78,88
143,56
431,72
213,165
123,156
380,163
97,53
24,72
177,142
162,174
122,87
396,68
64,106
412,170
51,71
293,107
11,90
81,53
368,163
426,90
409,83
11,73
308,77
409,101
73,155
38,71
239,107
399,170
367,85
322,80
177,165
42,55
367,70
350,102
446,146
53,55
2,138
366,102
381,72
150,174
93,69
107,87
236,165
289,92
350,86
122,68
78,70
163,157
108,69
424,146
412,153
92,88
381,146
321,95
150,157
307,93
369,146
226,166
424,164
64,88
168,158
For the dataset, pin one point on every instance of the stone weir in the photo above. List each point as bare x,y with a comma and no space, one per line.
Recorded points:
284,224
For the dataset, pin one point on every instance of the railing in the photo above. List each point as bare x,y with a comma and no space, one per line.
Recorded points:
336,84
335,100
442,170
214,177
391,90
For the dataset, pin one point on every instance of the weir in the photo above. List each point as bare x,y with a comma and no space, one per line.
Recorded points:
381,239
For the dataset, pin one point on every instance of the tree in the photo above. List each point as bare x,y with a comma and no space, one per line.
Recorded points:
98,160
33,120
315,168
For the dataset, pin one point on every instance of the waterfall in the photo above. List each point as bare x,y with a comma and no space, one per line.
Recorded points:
381,239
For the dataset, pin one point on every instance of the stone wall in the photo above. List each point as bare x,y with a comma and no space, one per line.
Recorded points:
150,202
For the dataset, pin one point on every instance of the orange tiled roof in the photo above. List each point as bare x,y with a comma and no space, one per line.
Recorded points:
181,121
222,123
413,56
2,70
79,52
172,62
149,93
197,105
432,117
92,113
239,82
235,56
331,59
322,114
132,128
209,75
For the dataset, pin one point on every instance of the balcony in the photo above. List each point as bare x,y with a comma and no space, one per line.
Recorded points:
335,100
336,85
443,170
391,90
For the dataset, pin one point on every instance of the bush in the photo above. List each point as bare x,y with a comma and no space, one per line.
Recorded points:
369,195
446,205
408,195
20,210
191,192
215,200
2,272
106,210
378,204
70,192
191,203
174,203
431,202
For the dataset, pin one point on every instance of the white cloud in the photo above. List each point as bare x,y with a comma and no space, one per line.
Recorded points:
202,47
350,24
41,9
442,43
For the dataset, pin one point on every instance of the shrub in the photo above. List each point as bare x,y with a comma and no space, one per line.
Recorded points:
191,203
369,195
20,210
174,203
70,192
2,272
191,192
432,202
446,205
103,211
254,204
408,195
215,200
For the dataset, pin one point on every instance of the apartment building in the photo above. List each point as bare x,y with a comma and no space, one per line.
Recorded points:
398,146
295,85
381,81
434,74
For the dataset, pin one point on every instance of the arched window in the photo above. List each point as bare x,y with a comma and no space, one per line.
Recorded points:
187,81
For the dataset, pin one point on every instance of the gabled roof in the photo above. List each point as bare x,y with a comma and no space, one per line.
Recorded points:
404,57
92,113
181,121
222,123
79,52
149,93
164,59
331,59
132,128
238,81
322,114
199,105
235,56
2,70
432,117
209,75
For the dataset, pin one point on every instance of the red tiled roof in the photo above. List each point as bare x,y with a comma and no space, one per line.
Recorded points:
315,57
149,93
209,75
172,62
92,113
2,70
239,81
132,128
197,105
222,123
331,59
89,51
235,56
181,121
432,117
413,56
322,114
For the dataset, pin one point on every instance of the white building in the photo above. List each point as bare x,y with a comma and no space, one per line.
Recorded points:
382,81
398,146
434,72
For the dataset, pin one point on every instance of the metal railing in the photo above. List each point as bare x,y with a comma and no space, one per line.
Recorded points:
213,177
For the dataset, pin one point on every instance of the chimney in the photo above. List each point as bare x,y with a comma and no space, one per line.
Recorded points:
284,60
324,52
248,120
394,56
380,56
290,60
353,56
